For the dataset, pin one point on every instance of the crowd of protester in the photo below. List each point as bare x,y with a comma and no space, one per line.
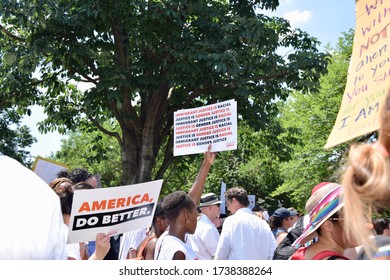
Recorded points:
343,220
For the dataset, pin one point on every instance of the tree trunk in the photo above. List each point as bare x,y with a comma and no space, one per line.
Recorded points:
129,158
140,138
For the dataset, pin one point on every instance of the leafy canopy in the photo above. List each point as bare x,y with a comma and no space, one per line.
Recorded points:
143,60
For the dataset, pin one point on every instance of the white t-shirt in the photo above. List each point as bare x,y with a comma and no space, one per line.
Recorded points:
158,242
31,215
245,236
73,249
130,240
205,239
169,245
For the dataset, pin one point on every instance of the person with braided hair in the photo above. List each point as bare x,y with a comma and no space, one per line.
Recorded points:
181,213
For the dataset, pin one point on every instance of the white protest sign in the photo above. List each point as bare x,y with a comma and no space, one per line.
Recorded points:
195,129
112,210
252,201
223,202
47,169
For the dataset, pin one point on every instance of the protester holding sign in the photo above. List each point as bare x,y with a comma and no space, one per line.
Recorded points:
78,251
197,188
112,210
181,212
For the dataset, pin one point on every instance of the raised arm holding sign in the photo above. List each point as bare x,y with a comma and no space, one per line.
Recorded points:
198,186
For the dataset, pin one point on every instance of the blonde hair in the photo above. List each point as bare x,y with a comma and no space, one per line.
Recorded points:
366,182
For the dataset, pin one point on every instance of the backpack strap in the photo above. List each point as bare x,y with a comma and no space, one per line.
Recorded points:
329,255
142,248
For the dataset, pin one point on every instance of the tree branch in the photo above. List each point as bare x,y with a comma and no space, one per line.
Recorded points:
199,92
134,124
102,129
89,79
12,36
194,94
168,157
269,77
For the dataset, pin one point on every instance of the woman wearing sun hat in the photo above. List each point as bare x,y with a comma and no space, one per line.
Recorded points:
325,227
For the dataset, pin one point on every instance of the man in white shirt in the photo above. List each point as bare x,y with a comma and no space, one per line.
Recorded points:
205,238
244,236
32,224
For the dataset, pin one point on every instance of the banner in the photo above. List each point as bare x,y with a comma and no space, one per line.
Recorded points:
368,73
223,202
195,129
47,169
112,210
252,201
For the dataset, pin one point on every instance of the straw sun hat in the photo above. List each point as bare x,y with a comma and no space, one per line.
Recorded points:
209,199
324,202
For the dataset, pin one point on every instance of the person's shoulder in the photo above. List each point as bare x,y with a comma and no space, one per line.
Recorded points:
204,228
171,238
281,236
242,213
203,219
299,254
151,245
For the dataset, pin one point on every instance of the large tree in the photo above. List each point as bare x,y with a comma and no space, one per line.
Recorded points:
146,59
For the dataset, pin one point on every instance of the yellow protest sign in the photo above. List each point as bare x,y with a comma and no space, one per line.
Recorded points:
368,73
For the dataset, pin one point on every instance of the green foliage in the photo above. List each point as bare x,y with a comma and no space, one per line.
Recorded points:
312,116
95,151
143,60
253,166
14,138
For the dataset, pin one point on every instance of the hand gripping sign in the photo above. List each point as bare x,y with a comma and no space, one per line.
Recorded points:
112,210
